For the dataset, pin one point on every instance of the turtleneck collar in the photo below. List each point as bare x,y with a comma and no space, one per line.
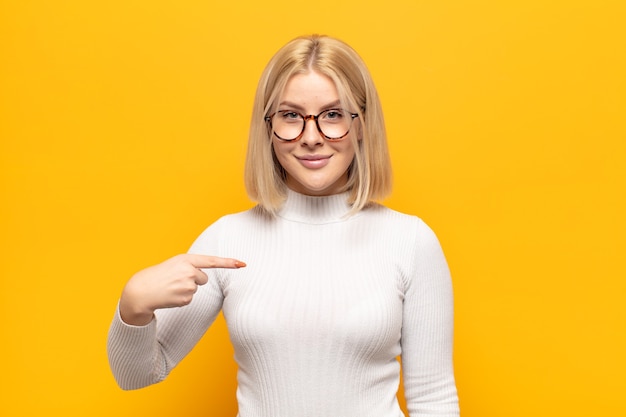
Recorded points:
315,209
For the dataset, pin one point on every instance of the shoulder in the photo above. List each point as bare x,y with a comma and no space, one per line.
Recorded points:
420,257
397,220
410,236
254,215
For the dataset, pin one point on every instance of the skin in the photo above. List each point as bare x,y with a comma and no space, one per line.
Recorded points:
314,165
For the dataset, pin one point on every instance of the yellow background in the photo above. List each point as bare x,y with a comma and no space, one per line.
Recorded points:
123,127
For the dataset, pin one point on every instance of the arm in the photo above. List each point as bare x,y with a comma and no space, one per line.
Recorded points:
163,311
427,332
141,355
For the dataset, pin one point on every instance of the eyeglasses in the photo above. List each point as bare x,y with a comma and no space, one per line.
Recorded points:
289,125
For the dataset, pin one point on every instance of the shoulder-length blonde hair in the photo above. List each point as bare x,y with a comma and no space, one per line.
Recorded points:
369,175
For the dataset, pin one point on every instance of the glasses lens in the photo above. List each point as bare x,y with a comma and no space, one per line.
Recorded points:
287,125
334,124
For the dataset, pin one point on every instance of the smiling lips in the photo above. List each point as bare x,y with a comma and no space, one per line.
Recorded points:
314,161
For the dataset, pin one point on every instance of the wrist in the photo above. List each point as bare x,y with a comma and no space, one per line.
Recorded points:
131,312
135,318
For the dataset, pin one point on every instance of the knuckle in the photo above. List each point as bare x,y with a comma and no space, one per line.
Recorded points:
186,272
186,299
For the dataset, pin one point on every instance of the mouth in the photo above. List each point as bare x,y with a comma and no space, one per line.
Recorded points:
313,157
314,161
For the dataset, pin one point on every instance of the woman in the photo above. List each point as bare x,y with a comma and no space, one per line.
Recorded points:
334,286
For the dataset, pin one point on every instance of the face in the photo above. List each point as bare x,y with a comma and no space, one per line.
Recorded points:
314,165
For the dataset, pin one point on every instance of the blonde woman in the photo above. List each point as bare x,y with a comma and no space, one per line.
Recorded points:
321,287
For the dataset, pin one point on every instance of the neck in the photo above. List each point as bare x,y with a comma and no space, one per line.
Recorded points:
315,209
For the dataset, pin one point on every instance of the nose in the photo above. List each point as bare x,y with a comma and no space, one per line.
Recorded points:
311,135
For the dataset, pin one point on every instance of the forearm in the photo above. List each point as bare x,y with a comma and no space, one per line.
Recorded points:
135,356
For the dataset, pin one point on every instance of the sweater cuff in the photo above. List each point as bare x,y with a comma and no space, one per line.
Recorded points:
131,338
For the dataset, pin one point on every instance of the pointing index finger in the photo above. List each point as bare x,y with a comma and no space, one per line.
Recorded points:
206,261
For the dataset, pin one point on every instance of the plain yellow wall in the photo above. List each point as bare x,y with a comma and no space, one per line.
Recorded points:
123,127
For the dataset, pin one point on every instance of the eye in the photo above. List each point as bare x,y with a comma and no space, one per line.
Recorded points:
289,116
333,115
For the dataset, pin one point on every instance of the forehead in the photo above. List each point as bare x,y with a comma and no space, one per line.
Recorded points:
309,89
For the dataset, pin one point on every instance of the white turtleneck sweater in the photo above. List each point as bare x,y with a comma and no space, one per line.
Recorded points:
318,317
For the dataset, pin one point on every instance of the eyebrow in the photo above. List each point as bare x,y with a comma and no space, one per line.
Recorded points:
295,106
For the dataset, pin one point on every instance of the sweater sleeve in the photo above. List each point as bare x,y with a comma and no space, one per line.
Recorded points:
144,355
427,331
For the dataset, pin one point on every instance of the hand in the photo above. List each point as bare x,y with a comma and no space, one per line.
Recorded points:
169,284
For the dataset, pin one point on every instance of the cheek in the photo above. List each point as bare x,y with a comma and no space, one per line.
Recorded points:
280,151
350,145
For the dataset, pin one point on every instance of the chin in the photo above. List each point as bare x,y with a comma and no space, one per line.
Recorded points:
316,186
318,190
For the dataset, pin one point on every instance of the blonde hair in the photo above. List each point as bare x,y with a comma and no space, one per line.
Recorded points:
369,175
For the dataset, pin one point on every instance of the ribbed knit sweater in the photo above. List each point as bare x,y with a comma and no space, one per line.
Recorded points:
318,317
